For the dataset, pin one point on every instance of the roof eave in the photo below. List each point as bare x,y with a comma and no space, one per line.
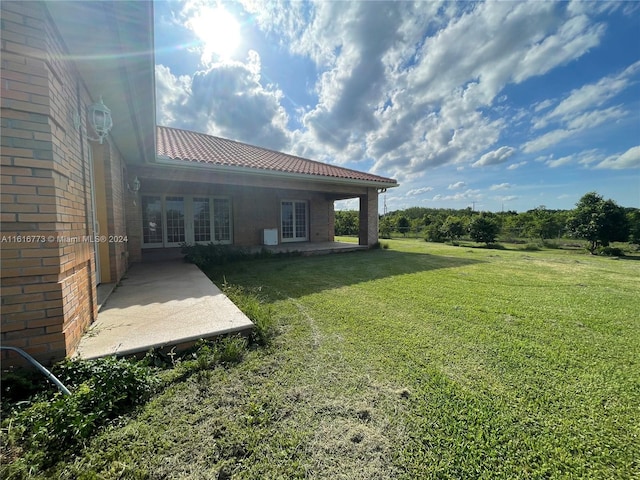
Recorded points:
117,63
163,160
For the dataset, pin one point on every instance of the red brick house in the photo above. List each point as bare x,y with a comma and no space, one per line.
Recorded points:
76,212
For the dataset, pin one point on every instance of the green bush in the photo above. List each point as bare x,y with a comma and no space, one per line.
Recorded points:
214,254
610,251
49,427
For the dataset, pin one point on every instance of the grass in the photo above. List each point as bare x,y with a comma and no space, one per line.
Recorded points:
420,361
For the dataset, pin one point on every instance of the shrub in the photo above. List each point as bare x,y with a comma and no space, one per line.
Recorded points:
214,254
610,251
531,247
484,230
103,389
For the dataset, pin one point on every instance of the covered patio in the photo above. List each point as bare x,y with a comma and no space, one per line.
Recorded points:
158,305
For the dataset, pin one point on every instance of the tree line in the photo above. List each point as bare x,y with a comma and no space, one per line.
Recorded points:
594,219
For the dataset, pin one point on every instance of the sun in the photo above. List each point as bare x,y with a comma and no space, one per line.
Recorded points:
218,31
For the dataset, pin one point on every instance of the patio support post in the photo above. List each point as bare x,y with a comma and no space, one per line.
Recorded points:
368,234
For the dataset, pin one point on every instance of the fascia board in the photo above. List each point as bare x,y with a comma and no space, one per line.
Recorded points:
162,160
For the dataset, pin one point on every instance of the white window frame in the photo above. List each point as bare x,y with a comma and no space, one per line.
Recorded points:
306,213
188,226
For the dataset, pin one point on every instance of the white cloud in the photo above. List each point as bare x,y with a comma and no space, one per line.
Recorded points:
628,159
419,191
572,39
455,186
596,117
542,105
495,157
226,100
506,198
410,98
402,87
513,166
560,161
589,156
545,141
589,96
466,195
581,109
500,186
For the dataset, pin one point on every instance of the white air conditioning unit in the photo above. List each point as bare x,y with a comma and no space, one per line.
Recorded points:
270,236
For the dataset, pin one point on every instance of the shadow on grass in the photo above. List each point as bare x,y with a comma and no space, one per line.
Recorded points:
301,276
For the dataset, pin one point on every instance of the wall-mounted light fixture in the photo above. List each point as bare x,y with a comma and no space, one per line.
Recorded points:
100,120
99,117
134,187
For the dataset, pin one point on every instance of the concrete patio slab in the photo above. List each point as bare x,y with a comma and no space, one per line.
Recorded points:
158,305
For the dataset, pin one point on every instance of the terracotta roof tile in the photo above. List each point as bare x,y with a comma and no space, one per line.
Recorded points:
177,144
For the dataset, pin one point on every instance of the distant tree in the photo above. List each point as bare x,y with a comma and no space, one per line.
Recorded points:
433,233
403,225
598,221
514,225
633,218
386,226
347,222
416,225
453,228
484,229
544,223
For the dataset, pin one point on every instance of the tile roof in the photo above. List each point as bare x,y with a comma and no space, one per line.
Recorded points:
177,144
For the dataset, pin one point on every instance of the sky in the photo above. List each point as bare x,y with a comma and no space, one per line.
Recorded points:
494,106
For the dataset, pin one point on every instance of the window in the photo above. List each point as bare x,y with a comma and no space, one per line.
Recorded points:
168,221
294,221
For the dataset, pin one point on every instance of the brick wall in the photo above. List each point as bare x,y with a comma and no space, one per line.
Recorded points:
48,282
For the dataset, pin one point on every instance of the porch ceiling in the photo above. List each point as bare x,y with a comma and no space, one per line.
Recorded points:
111,44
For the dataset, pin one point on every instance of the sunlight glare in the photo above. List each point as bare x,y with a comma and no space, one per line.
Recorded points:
219,32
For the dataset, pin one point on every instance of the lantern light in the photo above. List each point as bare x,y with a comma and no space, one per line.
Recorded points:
100,120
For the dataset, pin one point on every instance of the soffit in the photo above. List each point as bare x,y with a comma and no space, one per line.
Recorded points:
111,43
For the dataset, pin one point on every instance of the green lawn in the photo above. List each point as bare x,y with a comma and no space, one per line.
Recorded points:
418,361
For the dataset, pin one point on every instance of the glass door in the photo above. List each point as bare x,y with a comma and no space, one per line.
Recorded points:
294,221
201,219
152,224
170,220
175,214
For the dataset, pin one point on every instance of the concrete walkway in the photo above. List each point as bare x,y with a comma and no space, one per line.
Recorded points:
158,305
